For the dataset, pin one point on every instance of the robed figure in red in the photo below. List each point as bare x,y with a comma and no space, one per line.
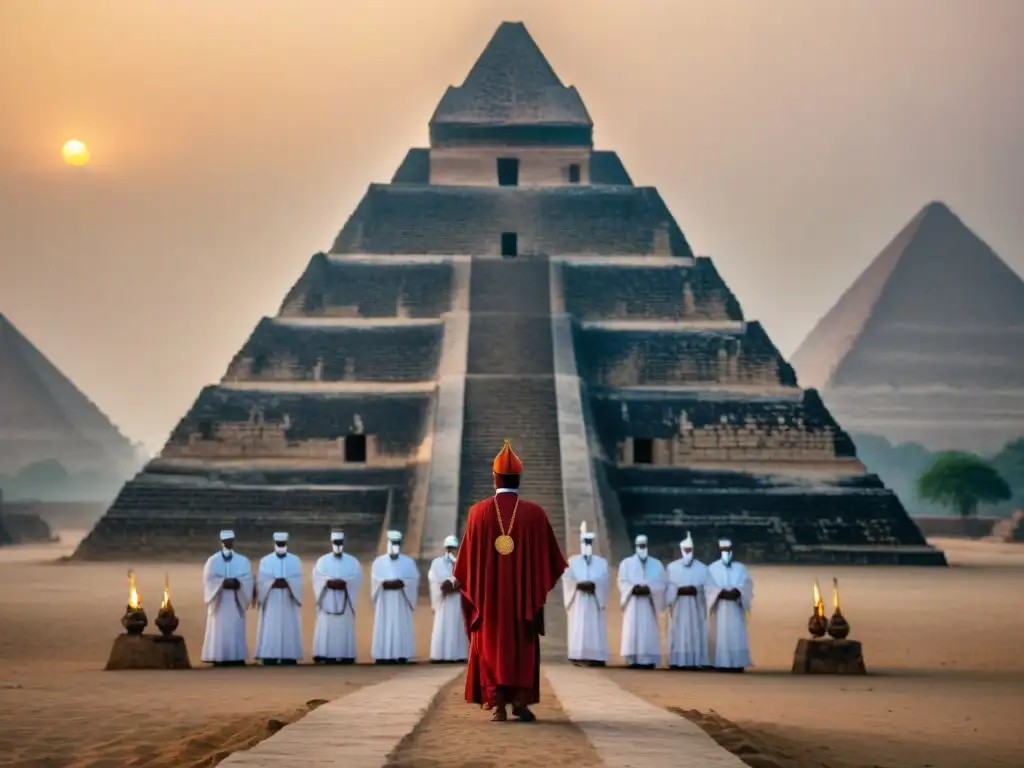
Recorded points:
508,562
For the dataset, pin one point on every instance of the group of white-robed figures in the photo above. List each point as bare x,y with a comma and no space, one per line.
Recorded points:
276,592
707,607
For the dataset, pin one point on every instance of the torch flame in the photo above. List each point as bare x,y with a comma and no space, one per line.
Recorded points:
167,593
835,595
819,604
134,601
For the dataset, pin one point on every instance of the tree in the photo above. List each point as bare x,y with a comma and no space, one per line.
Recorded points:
962,481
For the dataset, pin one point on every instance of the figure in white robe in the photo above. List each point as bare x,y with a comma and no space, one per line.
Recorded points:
642,599
687,610
279,601
585,587
227,588
336,580
448,641
394,586
730,596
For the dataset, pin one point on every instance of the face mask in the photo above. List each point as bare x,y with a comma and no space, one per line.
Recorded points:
451,557
228,551
641,552
687,558
727,557
281,548
337,548
588,550
394,549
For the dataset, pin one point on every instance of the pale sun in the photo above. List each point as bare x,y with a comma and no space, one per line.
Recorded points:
75,152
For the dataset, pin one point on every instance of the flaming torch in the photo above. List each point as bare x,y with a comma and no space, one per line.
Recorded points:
838,626
817,624
166,620
134,619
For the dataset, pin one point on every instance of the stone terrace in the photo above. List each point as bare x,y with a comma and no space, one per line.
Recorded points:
688,428
595,291
660,356
318,350
412,219
371,288
226,422
180,515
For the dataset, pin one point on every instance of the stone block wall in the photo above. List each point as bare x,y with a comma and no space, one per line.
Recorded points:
176,517
229,423
786,525
350,288
283,351
599,292
637,358
411,219
477,166
685,429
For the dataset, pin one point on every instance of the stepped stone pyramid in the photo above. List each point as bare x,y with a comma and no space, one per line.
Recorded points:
512,282
44,416
927,345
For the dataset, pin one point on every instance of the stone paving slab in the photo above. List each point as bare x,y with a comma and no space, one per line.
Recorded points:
360,729
627,731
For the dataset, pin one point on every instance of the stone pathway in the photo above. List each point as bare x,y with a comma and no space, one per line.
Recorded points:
628,732
359,729
365,727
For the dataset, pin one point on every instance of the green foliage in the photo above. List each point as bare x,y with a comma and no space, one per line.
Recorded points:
962,481
898,466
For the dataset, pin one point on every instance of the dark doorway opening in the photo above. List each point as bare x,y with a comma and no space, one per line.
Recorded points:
355,448
574,174
509,244
508,171
643,450
206,429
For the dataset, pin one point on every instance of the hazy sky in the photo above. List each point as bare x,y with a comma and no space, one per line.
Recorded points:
232,138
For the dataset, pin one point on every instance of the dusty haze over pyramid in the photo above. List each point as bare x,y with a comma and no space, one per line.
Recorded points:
44,416
511,282
927,345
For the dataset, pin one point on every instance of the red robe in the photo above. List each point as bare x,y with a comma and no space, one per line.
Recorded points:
503,598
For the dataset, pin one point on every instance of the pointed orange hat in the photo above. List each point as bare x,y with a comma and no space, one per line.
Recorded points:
506,462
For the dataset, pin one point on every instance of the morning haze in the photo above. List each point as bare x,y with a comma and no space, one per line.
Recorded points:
231,140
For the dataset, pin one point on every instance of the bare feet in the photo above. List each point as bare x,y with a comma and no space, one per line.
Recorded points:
500,715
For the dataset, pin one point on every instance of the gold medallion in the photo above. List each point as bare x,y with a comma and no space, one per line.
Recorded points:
504,545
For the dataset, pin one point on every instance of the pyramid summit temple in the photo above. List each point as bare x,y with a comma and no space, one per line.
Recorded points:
927,345
511,282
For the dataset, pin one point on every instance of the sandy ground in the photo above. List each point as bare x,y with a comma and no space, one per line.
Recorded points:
59,708
942,646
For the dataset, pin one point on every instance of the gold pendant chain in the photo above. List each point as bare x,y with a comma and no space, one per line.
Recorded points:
511,522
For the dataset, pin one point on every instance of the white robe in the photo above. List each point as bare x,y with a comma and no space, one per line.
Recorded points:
279,629
641,636
728,645
687,624
335,634
588,634
393,636
448,641
225,608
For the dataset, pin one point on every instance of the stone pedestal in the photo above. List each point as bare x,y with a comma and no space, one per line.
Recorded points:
825,656
149,652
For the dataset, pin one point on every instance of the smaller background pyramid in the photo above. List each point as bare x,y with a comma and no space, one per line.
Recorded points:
927,345
46,418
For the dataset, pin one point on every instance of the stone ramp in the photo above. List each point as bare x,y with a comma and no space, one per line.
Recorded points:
412,718
628,732
361,729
